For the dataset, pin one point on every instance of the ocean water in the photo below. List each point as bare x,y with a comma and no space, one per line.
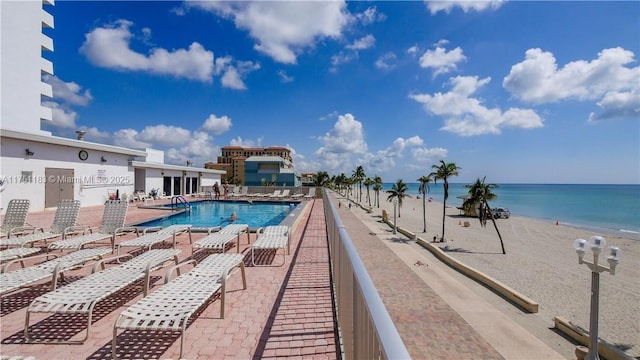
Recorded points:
613,209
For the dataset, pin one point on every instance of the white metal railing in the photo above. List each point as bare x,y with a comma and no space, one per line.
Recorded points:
366,329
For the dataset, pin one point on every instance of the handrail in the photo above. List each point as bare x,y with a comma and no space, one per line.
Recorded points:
180,200
365,325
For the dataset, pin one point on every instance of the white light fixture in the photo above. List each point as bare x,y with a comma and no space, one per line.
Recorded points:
395,206
596,244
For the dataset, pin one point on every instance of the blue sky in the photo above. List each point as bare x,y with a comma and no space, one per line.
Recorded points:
519,92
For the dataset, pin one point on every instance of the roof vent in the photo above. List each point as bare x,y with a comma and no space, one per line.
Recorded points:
80,134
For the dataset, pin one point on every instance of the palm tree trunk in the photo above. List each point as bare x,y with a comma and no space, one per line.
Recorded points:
444,211
495,226
424,213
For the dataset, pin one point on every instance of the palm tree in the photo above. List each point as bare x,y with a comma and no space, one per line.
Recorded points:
349,181
359,175
479,196
368,182
424,190
443,172
377,187
322,179
398,190
341,180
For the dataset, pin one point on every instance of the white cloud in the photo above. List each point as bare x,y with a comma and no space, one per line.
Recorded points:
344,145
616,104
384,160
465,5
239,141
343,58
441,60
302,164
341,143
165,135
370,16
232,79
217,125
195,147
351,53
347,135
385,61
425,155
129,138
331,115
233,75
66,95
467,116
538,79
68,92
283,30
363,43
197,150
94,134
284,77
109,47
63,117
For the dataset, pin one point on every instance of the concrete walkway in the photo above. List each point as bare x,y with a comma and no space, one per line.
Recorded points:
436,312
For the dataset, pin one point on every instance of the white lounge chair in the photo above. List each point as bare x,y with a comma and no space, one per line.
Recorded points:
15,218
272,238
64,223
254,194
81,296
234,191
215,241
240,193
113,219
17,253
13,280
148,239
276,193
311,194
237,229
170,307
285,194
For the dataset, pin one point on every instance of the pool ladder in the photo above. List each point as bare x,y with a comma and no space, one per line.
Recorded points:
178,202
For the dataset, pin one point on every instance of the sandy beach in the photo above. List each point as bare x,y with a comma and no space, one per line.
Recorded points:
541,263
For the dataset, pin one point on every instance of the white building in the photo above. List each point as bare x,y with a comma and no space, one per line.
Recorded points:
45,169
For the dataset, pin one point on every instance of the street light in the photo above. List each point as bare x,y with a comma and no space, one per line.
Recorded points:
596,243
395,206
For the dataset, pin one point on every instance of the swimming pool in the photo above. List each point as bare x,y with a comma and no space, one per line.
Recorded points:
218,213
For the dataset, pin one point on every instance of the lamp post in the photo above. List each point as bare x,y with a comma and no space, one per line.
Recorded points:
395,206
596,243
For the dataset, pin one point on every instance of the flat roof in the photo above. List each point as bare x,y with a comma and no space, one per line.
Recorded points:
161,166
81,144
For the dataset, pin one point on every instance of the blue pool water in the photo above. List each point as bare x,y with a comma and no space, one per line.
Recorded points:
217,213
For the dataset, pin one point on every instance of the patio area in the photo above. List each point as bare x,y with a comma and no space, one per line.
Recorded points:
286,311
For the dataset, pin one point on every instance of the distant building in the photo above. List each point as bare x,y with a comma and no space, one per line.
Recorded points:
308,179
270,171
233,158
